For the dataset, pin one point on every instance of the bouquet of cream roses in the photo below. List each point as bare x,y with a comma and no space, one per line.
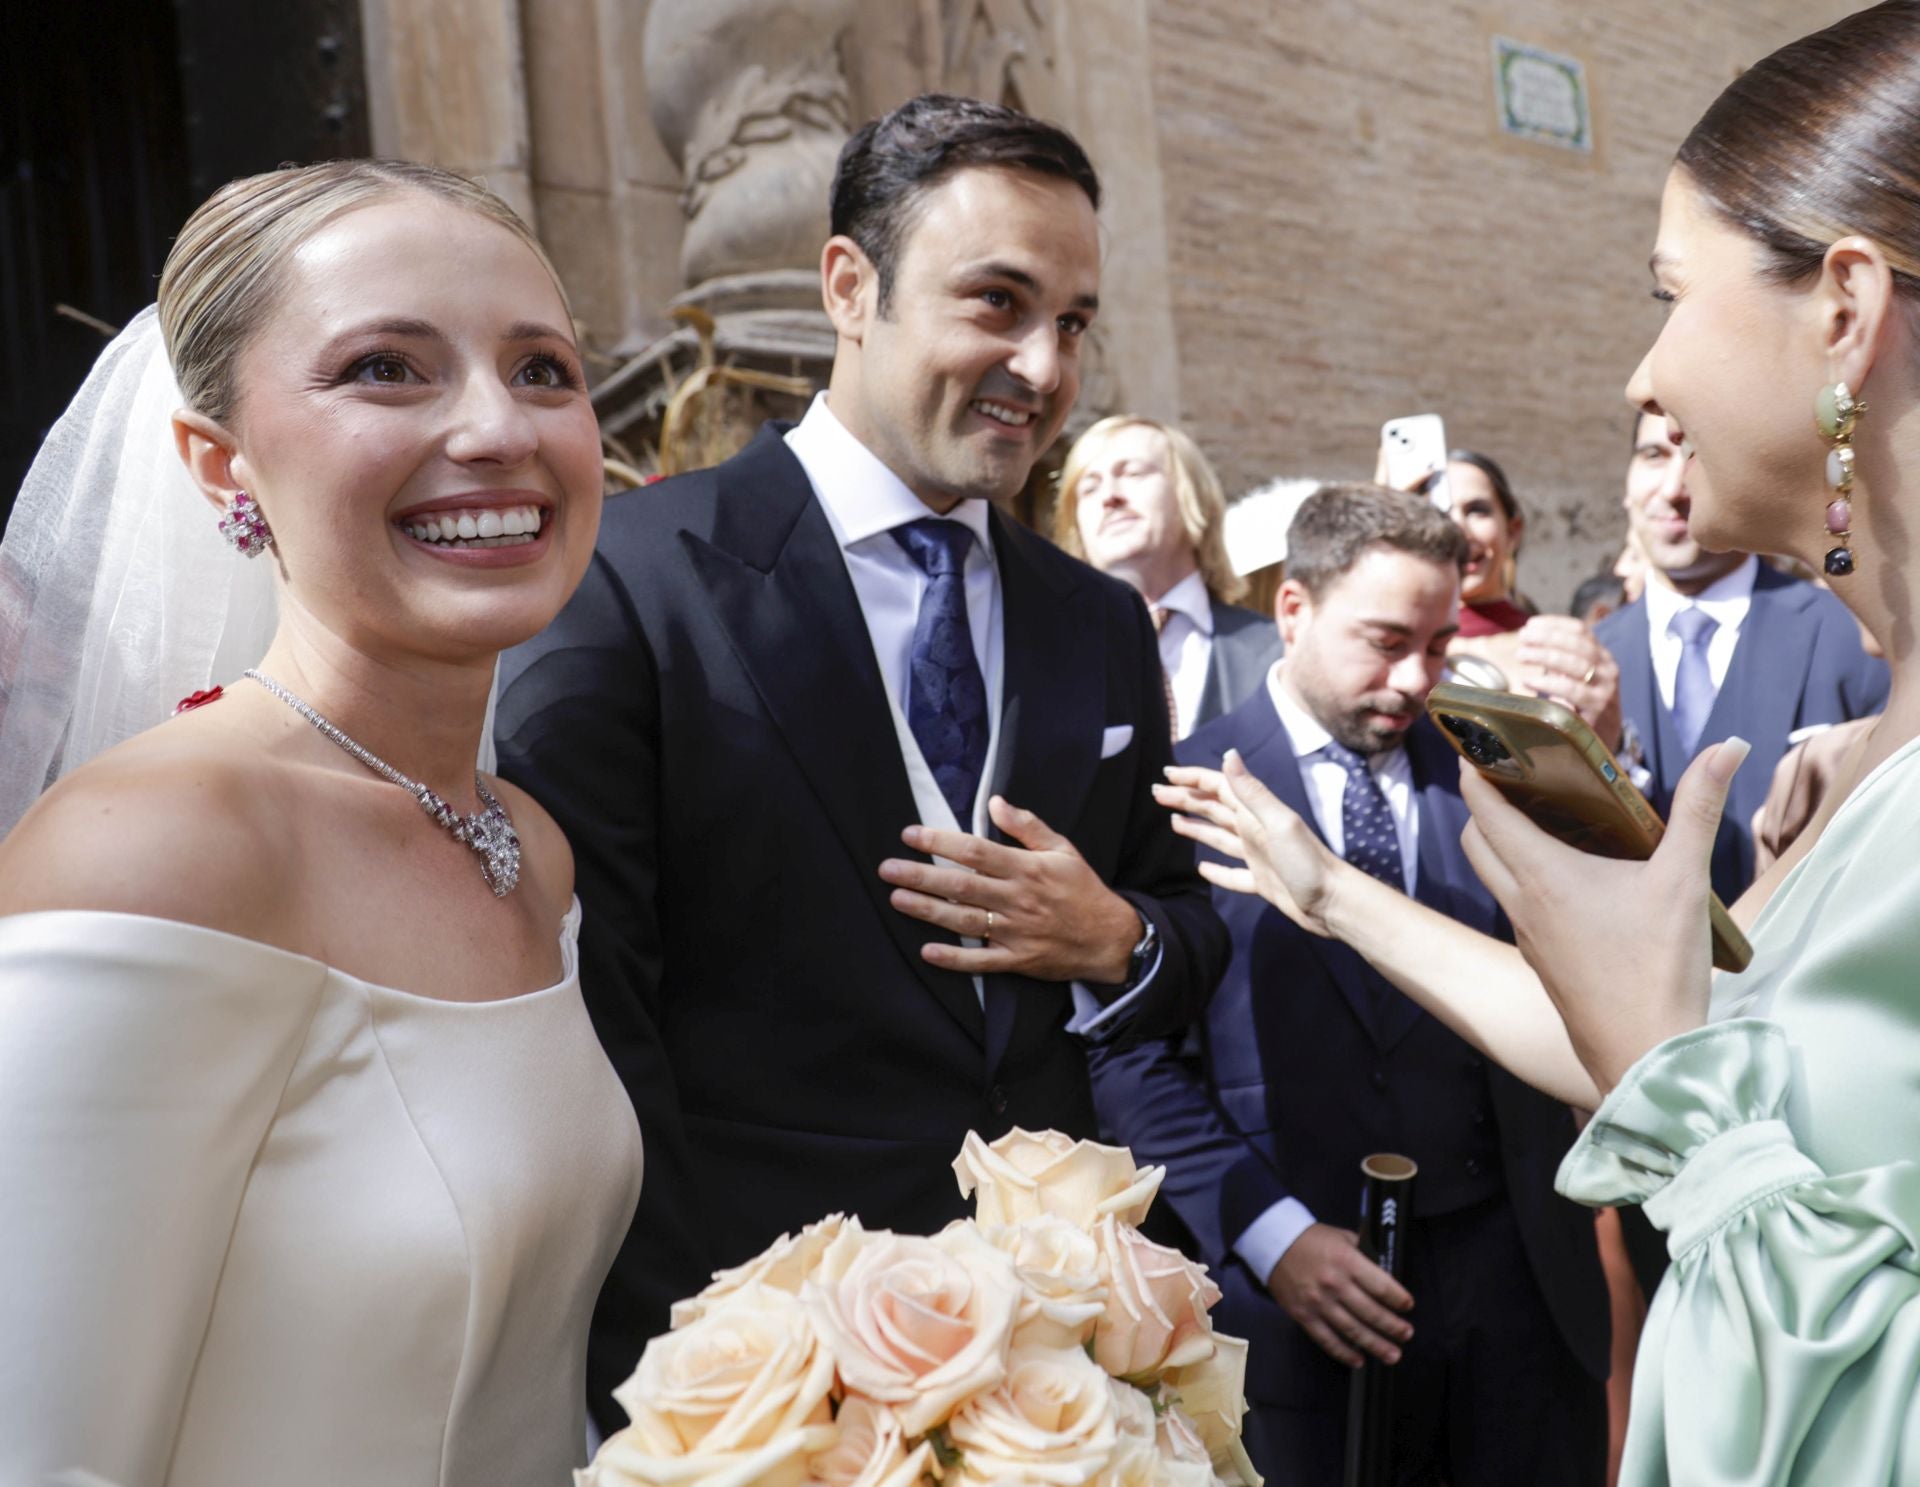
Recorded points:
1042,1341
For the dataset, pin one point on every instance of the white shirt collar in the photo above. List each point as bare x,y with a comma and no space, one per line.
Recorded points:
1309,735
1190,598
863,498
1726,600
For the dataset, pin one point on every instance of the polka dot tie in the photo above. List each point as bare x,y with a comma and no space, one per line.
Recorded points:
946,698
1366,822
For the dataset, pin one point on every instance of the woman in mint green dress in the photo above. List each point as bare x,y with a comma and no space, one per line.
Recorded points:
1770,1122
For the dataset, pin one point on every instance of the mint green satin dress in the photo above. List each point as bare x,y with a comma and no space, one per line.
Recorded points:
1779,1149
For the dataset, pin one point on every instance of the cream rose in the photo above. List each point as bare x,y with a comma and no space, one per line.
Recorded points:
871,1451
1024,1176
1157,1301
784,1265
918,1324
1054,1421
1211,1397
738,1397
1061,1292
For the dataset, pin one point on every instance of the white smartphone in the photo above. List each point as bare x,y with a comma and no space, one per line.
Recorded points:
1416,447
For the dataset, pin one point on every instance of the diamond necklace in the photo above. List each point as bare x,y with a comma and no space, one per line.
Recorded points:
488,831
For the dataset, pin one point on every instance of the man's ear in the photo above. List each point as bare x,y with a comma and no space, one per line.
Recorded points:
849,287
1292,609
211,455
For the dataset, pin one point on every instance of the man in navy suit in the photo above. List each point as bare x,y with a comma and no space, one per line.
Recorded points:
855,770
1310,1061
1139,500
1718,645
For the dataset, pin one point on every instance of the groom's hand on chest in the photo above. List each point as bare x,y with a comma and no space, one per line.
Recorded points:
1039,909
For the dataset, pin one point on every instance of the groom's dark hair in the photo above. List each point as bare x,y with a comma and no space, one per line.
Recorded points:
1339,524
890,164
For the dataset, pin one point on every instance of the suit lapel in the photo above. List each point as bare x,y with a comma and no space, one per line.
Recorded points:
779,587
1639,697
1765,681
1219,686
1274,763
1053,709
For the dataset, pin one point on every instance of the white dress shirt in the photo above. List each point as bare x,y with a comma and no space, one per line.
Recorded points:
864,502
1271,1235
1186,645
1725,600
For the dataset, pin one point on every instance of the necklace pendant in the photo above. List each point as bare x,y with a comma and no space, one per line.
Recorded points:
489,832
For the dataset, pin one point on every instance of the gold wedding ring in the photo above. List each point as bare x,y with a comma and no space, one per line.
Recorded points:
986,936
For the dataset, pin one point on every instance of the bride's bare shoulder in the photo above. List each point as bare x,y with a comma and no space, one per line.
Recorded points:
168,824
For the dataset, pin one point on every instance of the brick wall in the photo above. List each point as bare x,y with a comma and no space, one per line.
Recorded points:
1350,237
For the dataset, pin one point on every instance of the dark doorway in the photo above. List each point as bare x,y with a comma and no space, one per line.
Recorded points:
116,118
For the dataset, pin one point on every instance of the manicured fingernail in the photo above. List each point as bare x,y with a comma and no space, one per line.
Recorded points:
911,836
1729,757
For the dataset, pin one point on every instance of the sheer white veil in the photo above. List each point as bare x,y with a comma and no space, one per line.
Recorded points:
117,595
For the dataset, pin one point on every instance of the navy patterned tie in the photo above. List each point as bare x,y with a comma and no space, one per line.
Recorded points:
1366,823
947,700
1693,680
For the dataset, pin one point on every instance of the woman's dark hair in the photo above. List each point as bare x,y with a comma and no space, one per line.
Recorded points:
1820,140
1496,477
891,163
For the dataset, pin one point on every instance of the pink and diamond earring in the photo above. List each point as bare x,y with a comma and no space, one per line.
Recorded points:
245,526
1837,411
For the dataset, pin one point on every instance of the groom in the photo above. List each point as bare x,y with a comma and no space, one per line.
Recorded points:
856,769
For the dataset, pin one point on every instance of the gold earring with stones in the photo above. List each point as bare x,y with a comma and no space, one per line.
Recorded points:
1837,412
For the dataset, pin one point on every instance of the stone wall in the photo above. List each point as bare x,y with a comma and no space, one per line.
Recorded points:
1313,222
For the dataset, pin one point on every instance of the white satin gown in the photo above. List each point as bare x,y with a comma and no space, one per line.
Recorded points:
261,1221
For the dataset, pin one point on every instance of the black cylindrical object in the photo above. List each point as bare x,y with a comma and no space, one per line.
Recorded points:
1386,1207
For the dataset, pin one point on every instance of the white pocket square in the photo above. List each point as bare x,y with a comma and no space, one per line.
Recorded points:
1113,740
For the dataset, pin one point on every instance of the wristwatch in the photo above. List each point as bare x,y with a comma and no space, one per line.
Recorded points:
1141,960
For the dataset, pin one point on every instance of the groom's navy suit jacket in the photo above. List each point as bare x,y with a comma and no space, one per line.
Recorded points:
707,722
1798,663
1310,1061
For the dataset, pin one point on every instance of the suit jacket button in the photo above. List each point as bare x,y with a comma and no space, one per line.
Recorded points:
1473,1166
1479,1117
997,1099
1378,1080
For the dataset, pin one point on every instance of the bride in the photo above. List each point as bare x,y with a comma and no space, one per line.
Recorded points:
313,1165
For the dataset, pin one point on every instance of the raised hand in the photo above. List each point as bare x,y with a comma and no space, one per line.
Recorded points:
1623,948
1230,811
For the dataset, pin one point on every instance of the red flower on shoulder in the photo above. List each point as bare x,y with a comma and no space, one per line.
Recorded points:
198,699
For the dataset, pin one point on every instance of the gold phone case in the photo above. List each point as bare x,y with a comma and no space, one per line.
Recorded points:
1547,761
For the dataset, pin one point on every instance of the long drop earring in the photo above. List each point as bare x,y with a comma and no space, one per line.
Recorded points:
1837,411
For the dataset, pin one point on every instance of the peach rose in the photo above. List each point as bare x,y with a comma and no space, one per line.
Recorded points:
1062,1294
1157,1301
1024,1176
919,1324
738,1397
1211,1397
871,1451
1053,1421
784,1265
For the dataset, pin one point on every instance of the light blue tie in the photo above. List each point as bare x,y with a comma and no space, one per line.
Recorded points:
947,699
1693,689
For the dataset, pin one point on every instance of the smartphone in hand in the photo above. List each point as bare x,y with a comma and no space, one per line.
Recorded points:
1547,761
1413,449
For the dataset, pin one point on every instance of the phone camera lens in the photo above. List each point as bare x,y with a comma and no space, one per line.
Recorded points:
1460,728
1490,749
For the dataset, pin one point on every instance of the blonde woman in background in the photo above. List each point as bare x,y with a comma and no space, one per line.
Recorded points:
313,1164
1139,500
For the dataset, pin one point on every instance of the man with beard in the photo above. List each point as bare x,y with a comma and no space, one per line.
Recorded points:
856,771
1719,644
1309,1061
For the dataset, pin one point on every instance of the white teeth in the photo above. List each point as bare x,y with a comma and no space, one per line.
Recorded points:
492,527
1012,417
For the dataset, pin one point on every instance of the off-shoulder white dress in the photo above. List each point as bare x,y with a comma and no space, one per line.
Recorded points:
262,1222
